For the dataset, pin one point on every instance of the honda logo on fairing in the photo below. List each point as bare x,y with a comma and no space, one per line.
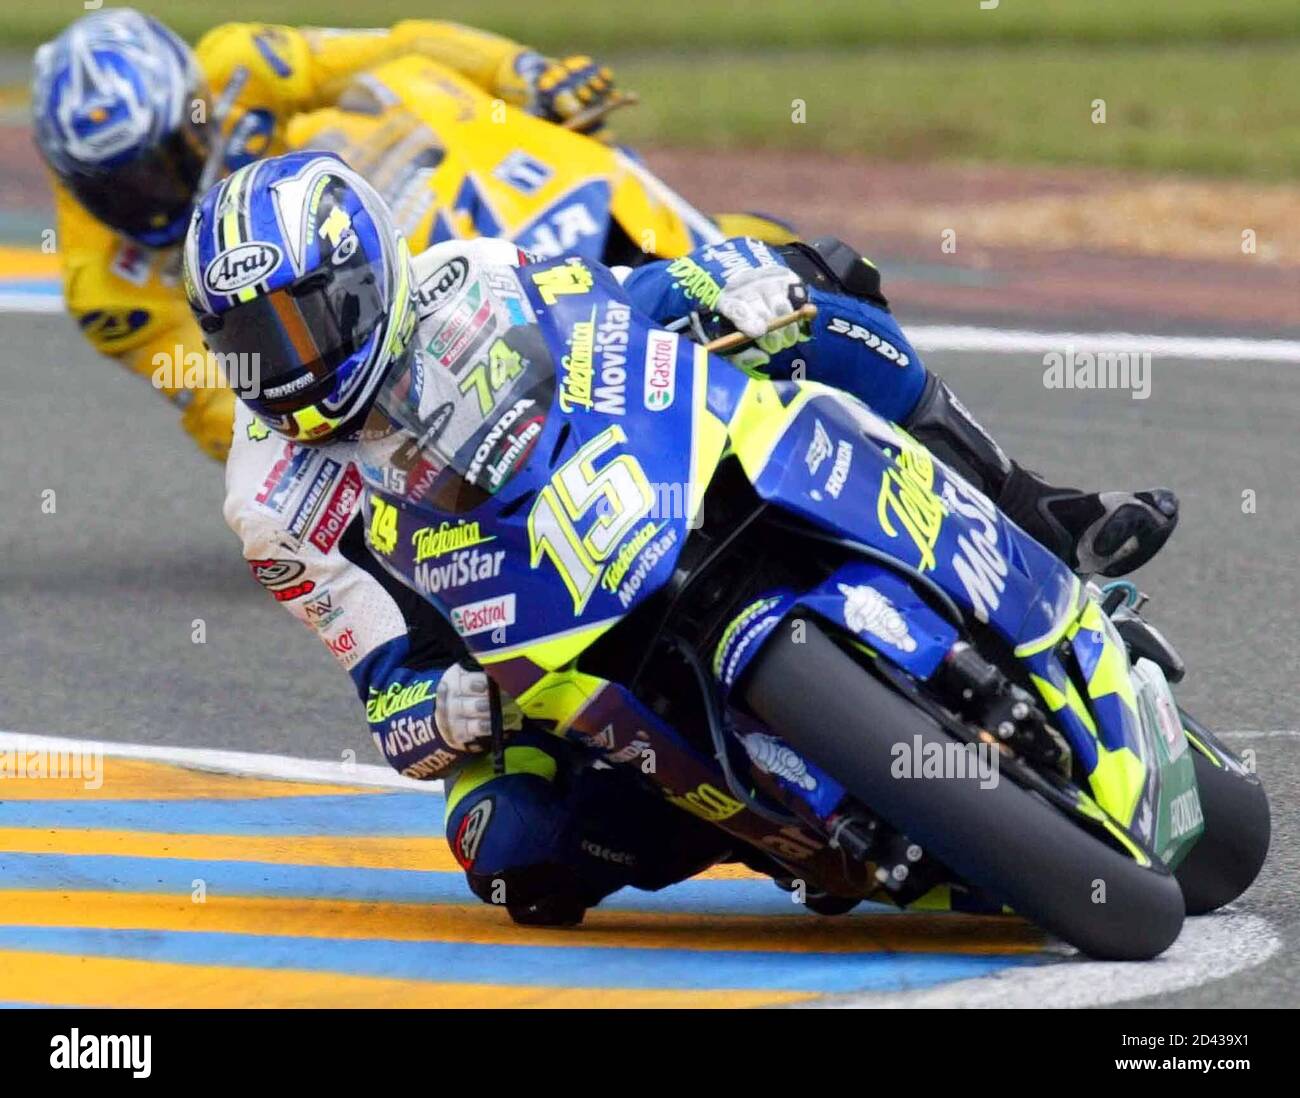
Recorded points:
240,266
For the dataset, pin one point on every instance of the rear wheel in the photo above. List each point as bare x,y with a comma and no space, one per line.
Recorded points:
1230,852
1002,838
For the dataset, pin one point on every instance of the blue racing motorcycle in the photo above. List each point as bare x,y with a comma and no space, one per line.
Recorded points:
793,621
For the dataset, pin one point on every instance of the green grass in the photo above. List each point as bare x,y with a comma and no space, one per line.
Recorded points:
1209,86
620,26
1218,112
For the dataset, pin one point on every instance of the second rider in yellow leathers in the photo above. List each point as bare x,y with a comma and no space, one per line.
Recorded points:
125,115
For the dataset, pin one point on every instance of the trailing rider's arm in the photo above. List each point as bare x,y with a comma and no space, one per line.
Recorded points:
124,299
286,70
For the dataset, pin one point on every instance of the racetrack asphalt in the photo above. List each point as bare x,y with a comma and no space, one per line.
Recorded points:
100,599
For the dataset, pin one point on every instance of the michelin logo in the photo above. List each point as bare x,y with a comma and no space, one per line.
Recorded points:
866,610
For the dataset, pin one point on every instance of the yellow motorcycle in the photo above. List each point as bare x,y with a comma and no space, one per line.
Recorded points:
453,162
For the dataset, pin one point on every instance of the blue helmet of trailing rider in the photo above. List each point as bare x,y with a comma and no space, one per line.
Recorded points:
293,266
120,114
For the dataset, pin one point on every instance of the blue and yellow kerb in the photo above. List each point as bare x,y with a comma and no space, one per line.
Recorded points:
171,887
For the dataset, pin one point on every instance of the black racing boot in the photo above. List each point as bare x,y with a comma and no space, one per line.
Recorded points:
552,911
1108,532
536,895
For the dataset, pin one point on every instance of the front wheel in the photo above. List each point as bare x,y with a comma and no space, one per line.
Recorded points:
997,836
1230,852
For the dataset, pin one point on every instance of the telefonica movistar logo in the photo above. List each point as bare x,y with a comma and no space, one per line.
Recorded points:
399,696
579,366
434,541
241,266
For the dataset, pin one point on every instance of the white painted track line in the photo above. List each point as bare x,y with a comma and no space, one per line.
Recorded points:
1013,341
1261,734
971,338
1210,948
30,303
247,764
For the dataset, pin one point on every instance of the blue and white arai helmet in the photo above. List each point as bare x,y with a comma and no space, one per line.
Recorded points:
294,265
120,114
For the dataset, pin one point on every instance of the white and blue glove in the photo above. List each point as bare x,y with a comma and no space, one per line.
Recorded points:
752,299
463,712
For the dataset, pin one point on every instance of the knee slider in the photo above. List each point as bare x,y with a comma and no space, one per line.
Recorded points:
510,835
499,822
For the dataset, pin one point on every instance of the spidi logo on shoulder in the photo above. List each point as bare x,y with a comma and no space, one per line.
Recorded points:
102,1052
182,369
27,762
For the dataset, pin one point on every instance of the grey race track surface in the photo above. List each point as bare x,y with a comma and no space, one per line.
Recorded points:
98,600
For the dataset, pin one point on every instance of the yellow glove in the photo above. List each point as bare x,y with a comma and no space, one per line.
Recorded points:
564,89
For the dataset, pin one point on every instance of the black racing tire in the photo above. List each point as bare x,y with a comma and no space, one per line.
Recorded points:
831,906
1231,850
1004,839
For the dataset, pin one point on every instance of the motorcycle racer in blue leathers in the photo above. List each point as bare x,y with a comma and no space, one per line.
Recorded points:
296,260
855,344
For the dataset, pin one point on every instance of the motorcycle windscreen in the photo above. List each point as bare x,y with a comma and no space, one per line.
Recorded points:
449,438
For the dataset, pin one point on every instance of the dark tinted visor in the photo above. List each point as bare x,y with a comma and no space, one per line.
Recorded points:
300,334
151,192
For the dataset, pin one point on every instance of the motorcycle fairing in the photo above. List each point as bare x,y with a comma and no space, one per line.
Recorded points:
626,732
585,506
865,599
745,634
1138,773
496,168
796,781
883,611
917,510
1162,775
574,223
932,520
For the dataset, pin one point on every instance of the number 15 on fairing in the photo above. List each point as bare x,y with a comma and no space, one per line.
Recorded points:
618,493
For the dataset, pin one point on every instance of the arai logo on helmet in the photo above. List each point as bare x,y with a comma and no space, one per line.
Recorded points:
241,266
